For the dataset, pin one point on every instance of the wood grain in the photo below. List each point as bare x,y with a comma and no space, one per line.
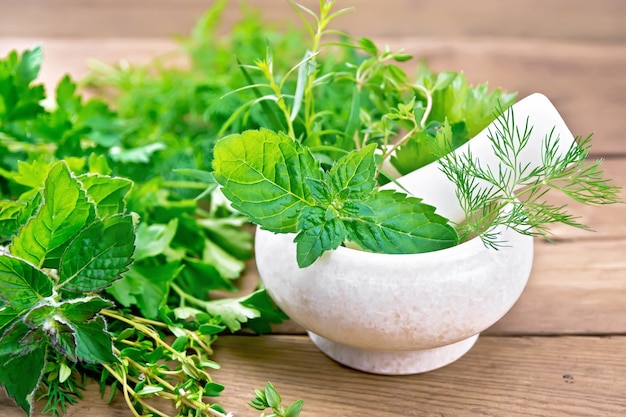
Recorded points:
574,288
499,377
560,350
563,376
598,21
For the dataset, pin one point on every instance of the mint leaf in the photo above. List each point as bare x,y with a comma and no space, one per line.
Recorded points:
107,193
63,213
57,332
9,215
93,342
38,315
22,284
355,172
12,341
319,191
8,315
319,232
83,309
98,255
20,375
396,223
263,174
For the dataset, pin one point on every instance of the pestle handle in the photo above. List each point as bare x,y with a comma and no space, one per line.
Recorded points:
431,184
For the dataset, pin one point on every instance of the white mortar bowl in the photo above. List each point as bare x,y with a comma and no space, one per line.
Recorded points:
404,314
396,314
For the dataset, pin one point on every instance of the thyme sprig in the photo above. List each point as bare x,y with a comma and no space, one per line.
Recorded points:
514,194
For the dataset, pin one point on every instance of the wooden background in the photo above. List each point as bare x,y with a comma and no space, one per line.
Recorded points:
561,350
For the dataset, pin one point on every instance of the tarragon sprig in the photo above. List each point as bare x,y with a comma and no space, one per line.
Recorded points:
514,194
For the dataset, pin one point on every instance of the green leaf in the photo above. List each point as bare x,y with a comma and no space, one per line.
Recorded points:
444,79
425,147
400,224
12,341
200,277
9,215
57,332
354,172
319,191
180,344
154,239
20,376
294,409
63,213
93,343
83,309
229,233
198,174
23,285
272,396
29,66
146,286
226,264
98,164
37,316
149,390
268,310
98,255
232,312
262,173
211,329
31,174
8,316
213,389
106,192
64,372
368,46
318,233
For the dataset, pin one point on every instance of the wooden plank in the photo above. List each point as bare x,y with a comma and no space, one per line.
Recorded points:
600,20
564,376
500,376
574,288
584,81
607,222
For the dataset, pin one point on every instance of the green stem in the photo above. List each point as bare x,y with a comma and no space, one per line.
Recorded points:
148,332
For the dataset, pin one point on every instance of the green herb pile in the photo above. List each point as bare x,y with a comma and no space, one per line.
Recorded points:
71,169
114,236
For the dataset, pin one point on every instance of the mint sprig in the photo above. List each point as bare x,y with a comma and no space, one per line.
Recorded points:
276,182
65,253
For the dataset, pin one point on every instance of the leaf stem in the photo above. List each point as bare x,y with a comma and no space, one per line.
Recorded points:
125,388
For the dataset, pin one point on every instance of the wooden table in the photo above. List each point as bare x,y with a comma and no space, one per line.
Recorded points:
561,351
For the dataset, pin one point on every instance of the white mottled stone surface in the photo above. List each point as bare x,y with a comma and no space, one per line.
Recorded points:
395,303
388,362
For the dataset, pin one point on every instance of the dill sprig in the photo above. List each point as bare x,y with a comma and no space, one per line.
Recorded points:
514,193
